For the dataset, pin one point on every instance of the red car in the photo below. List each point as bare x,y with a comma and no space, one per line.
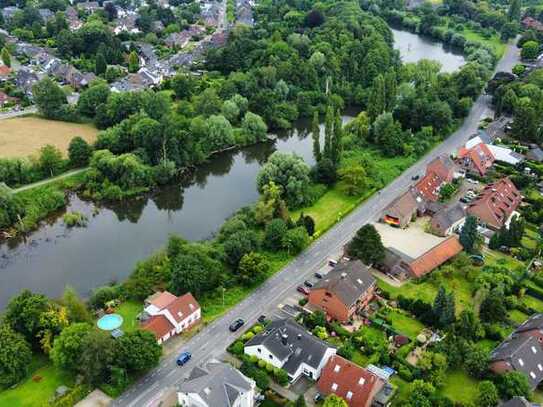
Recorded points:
303,290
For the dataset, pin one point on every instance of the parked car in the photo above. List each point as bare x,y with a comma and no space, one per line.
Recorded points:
303,290
332,262
308,283
415,177
472,181
183,358
234,326
261,319
318,275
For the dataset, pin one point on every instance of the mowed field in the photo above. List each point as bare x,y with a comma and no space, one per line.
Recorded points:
23,136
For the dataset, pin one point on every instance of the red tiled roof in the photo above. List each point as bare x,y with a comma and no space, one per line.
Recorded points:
428,186
159,325
496,203
182,307
443,166
356,385
161,299
436,256
4,70
479,156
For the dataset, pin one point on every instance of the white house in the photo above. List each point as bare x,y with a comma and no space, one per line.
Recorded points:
166,315
216,384
287,345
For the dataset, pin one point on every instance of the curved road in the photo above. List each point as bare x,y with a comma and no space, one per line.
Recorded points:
214,338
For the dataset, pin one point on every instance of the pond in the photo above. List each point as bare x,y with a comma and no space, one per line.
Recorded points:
413,47
118,235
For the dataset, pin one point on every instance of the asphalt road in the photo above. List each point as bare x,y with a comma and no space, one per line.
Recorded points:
16,113
213,339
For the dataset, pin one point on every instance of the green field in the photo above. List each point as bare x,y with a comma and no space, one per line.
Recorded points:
533,302
406,325
517,316
33,392
459,387
493,42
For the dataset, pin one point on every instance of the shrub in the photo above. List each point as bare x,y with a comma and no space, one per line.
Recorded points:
75,219
261,363
237,348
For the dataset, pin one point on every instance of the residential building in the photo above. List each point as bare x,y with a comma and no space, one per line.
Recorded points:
216,384
8,12
448,220
404,209
166,315
6,99
532,23
354,384
428,186
25,79
476,160
286,344
5,72
500,153
345,290
521,354
443,166
533,326
496,203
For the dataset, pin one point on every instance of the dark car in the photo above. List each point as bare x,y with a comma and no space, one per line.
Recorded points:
308,283
415,177
318,275
261,319
238,323
183,358
303,290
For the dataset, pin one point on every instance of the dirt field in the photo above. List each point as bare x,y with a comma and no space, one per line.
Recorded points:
23,136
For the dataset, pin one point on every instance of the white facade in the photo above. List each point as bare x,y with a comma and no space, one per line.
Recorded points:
311,372
246,399
263,353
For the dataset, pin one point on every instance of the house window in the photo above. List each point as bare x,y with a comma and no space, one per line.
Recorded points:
540,367
328,294
259,350
361,381
334,386
349,395
271,356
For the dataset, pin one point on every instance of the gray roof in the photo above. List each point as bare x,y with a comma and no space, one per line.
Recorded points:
535,154
534,322
218,384
348,281
519,402
284,338
523,354
449,216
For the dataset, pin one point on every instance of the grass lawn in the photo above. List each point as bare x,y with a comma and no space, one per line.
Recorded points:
23,136
408,326
459,387
129,310
488,344
402,391
32,393
533,302
517,316
496,258
493,42
531,237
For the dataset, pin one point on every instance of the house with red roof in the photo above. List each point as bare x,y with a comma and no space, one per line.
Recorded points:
166,315
354,384
496,203
443,166
476,159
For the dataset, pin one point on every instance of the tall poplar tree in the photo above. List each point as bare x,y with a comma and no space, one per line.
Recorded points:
328,131
377,98
315,133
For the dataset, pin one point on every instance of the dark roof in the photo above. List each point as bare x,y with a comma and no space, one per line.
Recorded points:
523,354
284,338
519,402
535,154
449,216
534,322
218,384
348,281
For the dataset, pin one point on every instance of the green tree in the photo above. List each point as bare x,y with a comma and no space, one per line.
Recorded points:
492,307
300,401
100,64
24,312
444,308
290,173
514,10
253,267
133,62
487,394
377,102
468,326
469,237
525,121
68,346
77,309
230,110
367,245
388,134
391,89
476,361
353,179
91,98
270,205
328,131
254,127
79,152
6,57
274,234
50,160
137,351
295,240
420,394
239,244
530,49
316,135
15,356
219,133
513,384
307,222
49,97
97,355
334,401
12,208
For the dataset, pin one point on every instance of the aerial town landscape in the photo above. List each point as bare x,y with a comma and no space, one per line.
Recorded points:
238,203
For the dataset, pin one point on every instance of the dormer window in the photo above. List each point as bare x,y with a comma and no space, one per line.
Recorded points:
334,386
534,350
337,368
349,395
361,381
532,375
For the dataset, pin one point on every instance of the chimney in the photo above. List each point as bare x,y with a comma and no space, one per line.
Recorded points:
343,275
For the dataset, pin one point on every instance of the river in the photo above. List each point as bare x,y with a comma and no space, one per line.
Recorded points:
117,236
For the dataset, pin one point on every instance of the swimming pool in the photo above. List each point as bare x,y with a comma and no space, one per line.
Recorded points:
110,322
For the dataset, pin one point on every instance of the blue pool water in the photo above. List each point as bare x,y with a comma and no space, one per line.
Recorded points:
110,322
